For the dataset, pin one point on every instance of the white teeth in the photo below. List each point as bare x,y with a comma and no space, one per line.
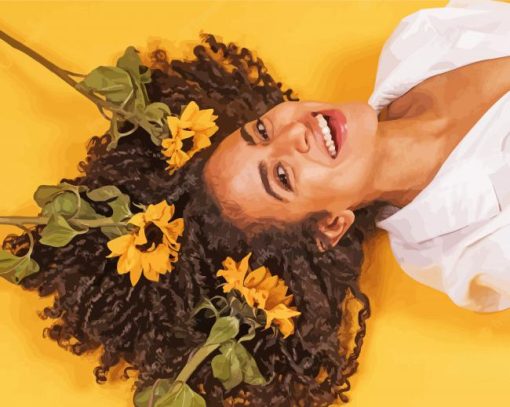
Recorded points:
326,134
322,121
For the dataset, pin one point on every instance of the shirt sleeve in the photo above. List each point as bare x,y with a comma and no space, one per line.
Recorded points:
431,41
480,277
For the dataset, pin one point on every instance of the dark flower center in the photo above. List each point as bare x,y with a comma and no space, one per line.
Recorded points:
154,235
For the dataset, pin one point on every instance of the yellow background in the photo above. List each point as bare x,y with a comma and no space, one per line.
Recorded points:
420,349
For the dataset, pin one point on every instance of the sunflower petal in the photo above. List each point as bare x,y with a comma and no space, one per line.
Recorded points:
255,277
280,312
149,266
151,275
268,283
173,125
140,238
179,158
203,120
174,229
286,326
201,141
189,111
167,214
159,259
155,211
243,264
122,264
277,294
119,245
135,265
138,219
135,275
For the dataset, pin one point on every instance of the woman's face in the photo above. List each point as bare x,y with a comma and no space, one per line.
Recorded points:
296,159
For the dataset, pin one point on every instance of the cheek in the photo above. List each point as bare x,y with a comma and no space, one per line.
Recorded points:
317,185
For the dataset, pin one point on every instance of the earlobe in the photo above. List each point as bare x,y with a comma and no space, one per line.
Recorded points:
331,228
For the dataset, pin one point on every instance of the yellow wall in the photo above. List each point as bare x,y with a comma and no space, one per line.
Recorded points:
420,350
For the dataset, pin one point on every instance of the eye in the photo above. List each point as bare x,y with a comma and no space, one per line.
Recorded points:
261,128
283,178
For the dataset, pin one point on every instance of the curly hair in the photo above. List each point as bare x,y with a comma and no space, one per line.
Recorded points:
150,325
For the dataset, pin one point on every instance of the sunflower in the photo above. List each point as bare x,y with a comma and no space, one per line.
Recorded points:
261,290
193,123
153,247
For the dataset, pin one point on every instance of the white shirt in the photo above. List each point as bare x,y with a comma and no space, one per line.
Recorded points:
454,236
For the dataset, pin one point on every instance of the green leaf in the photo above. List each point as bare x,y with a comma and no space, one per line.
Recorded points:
221,367
208,305
132,63
157,132
251,372
64,203
112,82
157,390
224,329
120,208
121,213
104,193
45,193
156,112
184,396
227,366
235,365
14,268
154,122
58,232
140,74
119,202
87,211
63,199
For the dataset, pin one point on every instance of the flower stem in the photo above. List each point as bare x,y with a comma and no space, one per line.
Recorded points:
198,357
62,74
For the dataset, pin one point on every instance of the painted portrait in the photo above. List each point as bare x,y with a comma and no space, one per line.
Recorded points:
255,203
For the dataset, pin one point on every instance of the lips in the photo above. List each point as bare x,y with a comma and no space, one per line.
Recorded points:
337,124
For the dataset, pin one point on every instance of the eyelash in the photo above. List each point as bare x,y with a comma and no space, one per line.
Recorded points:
283,178
261,129
285,181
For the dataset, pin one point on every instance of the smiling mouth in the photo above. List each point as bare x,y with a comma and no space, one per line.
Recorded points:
332,125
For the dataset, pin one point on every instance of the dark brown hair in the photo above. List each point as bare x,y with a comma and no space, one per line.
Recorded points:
150,325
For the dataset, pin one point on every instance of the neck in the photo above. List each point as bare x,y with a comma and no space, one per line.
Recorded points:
404,161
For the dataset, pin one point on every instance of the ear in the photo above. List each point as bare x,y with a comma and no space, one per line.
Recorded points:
332,227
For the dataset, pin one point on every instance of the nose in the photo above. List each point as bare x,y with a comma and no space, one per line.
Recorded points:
295,137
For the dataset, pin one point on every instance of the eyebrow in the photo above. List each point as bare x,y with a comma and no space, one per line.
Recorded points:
265,182
247,136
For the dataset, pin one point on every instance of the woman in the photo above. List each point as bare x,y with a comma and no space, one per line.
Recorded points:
429,154
316,198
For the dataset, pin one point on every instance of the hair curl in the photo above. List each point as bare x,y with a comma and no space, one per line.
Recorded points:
150,325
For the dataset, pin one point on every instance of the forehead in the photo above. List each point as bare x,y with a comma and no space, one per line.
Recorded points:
232,175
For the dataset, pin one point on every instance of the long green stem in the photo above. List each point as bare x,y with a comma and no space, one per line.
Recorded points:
199,356
62,74
43,220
